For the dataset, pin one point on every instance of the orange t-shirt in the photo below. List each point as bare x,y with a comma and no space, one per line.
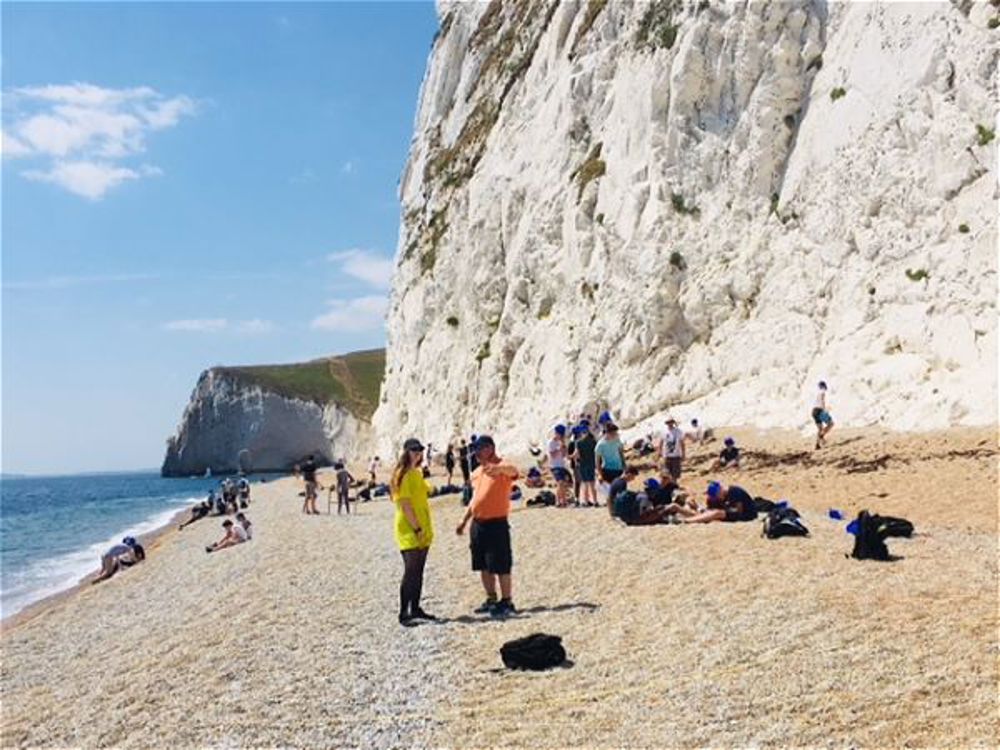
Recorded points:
490,495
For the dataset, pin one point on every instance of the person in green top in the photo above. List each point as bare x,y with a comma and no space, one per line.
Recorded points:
414,529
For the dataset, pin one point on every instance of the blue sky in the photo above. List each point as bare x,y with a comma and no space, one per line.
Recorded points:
187,185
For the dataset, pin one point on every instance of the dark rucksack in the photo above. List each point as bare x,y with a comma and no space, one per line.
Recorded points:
783,521
870,532
627,506
763,505
537,651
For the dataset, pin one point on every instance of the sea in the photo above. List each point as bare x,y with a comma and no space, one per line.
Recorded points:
53,530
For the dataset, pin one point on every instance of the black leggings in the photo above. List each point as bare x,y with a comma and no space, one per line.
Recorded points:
413,580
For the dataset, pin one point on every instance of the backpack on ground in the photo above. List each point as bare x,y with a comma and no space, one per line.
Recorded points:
544,498
627,506
537,651
763,505
870,532
784,521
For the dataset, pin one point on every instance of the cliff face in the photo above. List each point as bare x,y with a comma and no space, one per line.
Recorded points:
698,206
269,418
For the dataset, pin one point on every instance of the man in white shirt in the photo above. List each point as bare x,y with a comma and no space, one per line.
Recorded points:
672,449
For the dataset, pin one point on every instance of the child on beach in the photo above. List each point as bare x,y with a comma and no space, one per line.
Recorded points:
414,529
821,417
672,448
342,484
557,464
730,504
235,534
729,457
126,554
610,455
243,521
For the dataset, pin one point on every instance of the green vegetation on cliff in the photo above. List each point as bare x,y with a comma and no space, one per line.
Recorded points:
351,380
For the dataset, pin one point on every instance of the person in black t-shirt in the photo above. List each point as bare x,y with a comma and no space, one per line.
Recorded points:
729,457
463,460
308,468
730,503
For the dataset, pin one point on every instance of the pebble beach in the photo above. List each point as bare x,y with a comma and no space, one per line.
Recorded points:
677,636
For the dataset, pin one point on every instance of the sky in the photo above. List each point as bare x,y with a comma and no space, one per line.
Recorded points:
188,185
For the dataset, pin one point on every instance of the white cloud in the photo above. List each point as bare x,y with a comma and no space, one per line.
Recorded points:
370,267
255,327
62,282
199,325
359,314
80,133
89,179
347,167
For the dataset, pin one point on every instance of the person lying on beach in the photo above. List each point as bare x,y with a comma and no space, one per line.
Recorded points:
729,457
235,534
123,555
243,521
197,513
730,504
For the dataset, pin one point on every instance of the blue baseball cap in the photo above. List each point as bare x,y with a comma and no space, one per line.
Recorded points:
559,429
651,484
730,442
605,417
129,540
713,490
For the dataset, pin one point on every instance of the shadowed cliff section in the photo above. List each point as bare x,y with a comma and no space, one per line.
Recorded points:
268,417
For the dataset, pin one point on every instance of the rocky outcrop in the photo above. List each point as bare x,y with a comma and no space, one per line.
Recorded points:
698,206
269,418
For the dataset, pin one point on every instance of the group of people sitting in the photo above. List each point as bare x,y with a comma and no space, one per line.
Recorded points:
663,500
235,532
231,496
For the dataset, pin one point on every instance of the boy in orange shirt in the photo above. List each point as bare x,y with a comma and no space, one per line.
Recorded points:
489,536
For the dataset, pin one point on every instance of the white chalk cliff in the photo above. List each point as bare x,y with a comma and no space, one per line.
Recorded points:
230,424
702,207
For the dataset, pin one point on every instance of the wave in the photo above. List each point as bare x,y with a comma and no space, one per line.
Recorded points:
50,576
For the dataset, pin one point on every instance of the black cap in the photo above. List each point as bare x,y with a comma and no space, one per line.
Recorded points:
413,445
484,441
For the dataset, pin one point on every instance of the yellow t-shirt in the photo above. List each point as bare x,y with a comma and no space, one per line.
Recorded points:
414,488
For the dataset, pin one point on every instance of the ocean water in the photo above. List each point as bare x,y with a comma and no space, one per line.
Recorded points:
53,530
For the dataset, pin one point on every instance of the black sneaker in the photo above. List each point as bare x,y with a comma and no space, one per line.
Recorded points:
503,608
406,621
419,614
486,607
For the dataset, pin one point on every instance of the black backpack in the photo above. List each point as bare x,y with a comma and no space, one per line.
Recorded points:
763,505
537,651
872,531
626,505
784,521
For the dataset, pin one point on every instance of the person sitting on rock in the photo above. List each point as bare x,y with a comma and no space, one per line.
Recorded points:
235,534
729,457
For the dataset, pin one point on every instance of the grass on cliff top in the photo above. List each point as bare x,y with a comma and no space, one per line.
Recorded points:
352,380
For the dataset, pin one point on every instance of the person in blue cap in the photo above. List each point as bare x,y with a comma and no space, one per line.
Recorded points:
729,457
730,504
557,465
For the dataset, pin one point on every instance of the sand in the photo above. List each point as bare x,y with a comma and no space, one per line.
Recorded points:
678,635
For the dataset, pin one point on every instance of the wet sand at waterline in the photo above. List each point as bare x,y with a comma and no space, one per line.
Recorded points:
678,635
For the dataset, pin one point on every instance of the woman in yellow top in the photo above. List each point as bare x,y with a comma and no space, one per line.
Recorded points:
414,529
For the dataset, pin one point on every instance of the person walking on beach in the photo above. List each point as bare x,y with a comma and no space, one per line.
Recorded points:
672,449
309,477
489,536
449,462
372,468
820,415
414,529
342,483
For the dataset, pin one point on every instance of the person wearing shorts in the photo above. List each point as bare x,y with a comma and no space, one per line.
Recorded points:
610,454
309,477
586,464
731,504
821,417
489,535
557,464
672,449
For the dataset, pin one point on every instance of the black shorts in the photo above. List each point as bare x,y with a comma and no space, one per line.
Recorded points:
561,475
610,475
735,515
672,465
489,542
